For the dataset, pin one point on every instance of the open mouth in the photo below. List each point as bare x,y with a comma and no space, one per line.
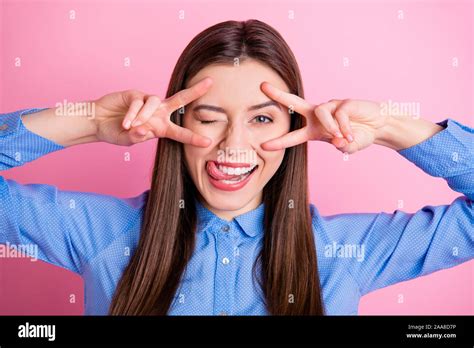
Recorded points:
229,176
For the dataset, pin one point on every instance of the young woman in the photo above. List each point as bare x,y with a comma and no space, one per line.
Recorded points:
220,233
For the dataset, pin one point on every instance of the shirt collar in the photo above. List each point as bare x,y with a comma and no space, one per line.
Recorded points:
250,222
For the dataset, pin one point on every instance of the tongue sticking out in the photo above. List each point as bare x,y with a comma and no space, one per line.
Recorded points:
214,172
217,174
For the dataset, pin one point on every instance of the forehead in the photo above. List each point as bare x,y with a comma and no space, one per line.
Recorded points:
238,84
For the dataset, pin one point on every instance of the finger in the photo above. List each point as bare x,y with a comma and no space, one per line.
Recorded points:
324,114
293,102
186,136
187,95
344,125
142,130
293,138
146,112
130,137
339,142
132,112
141,135
350,148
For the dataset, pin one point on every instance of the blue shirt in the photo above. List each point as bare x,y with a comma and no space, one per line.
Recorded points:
94,234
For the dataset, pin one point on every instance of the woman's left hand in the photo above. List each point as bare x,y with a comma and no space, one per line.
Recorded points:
350,125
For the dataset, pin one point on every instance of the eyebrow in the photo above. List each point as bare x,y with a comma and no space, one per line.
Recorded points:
222,110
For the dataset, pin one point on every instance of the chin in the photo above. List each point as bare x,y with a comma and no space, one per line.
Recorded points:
226,202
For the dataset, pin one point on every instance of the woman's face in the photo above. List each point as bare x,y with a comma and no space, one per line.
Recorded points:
238,117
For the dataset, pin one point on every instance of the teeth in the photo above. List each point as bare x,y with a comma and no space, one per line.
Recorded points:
239,173
235,171
232,181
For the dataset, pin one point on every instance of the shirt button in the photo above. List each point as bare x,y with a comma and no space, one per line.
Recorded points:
223,313
225,228
225,260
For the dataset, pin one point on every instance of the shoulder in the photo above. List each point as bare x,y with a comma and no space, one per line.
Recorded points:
342,226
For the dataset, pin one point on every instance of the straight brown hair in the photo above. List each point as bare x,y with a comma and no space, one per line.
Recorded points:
286,267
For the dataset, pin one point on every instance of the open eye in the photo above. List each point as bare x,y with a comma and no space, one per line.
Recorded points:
207,122
262,119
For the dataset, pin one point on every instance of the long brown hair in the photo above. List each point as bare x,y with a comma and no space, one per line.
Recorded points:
287,261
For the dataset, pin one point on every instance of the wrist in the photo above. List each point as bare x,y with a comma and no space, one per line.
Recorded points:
65,124
401,132
82,117
388,134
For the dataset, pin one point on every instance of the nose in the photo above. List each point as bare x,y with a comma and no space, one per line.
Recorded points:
236,145
236,136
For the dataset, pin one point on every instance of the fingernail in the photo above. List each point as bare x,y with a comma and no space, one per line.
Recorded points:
350,138
127,124
339,134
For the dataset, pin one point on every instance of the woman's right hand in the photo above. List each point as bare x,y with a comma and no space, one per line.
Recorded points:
130,117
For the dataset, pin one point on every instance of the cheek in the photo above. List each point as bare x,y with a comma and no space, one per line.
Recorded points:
194,156
272,161
265,132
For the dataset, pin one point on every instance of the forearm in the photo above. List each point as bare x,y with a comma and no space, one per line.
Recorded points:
401,132
64,128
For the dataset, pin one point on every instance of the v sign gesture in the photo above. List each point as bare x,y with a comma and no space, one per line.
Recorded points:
129,117
350,125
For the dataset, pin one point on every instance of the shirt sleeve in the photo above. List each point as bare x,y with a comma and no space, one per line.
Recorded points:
64,228
18,144
400,246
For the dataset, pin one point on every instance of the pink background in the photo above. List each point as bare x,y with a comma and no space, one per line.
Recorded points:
407,59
